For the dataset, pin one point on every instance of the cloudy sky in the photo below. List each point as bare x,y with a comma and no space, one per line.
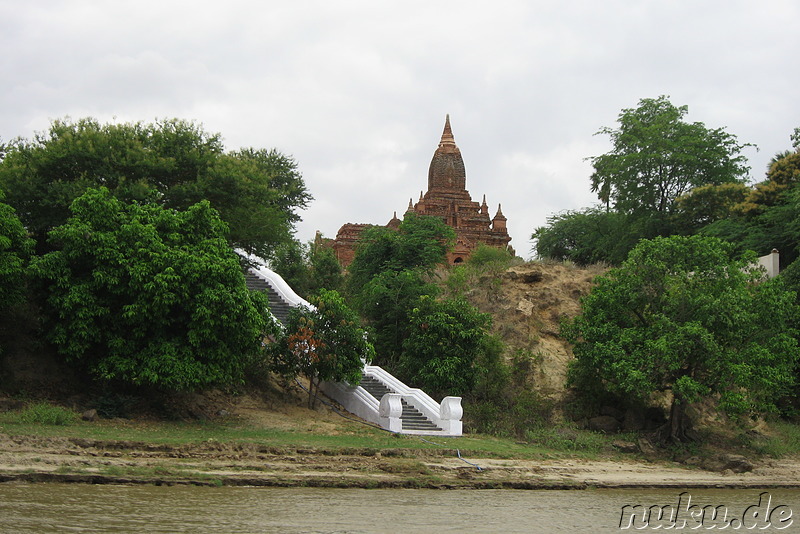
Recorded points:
357,91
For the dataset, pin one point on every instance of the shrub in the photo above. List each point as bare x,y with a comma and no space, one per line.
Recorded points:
43,413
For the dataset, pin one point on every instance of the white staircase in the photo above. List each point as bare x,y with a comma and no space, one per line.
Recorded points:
380,398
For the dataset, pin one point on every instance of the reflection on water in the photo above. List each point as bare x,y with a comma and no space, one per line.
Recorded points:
46,508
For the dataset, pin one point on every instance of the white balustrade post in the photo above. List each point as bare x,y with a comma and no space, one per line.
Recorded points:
390,410
450,411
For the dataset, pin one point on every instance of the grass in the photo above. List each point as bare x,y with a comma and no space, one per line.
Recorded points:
348,437
784,441
43,413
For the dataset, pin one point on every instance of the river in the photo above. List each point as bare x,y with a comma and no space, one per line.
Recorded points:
46,508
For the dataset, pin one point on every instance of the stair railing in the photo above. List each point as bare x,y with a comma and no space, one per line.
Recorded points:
446,415
275,280
386,411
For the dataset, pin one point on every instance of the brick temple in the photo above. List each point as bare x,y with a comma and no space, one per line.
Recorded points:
447,198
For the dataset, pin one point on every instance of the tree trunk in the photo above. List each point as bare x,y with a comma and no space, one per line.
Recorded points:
675,429
677,424
313,391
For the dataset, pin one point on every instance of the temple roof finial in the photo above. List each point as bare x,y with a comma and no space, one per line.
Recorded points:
447,134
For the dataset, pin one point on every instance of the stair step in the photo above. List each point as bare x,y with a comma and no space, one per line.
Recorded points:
411,418
277,306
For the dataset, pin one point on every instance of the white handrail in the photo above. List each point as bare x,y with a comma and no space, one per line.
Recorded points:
275,280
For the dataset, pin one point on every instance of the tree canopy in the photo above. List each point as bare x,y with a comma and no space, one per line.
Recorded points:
421,243
657,157
681,315
15,250
172,162
388,275
148,295
663,176
446,339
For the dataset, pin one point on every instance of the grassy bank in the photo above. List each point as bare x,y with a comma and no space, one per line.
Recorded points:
301,447
312,430
331,435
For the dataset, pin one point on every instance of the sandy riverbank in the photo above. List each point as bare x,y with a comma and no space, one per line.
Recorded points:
36,459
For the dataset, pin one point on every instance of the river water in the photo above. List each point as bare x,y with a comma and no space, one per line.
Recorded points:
45,508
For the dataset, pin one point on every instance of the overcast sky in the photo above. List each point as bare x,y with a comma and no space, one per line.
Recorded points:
357,91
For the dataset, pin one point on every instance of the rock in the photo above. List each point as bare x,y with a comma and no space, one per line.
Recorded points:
223,413
616,413
525,307
532,277
604,423
89,415
633,420
736,463
654,417
625,446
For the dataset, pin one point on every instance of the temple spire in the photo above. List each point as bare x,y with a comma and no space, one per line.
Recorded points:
447,135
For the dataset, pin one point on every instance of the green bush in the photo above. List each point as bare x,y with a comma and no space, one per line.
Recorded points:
487,256
43,413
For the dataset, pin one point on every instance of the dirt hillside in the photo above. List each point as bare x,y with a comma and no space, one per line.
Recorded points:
528,303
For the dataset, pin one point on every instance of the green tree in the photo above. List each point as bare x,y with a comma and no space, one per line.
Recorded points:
390,272
326,271
386,301
588,236
769,214
15,251
657,157
681,316
446,340
324,344
173,162
290,260
420,243
707,204
150,296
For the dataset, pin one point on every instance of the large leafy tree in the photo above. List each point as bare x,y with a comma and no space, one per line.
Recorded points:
769,214
681,316
657,156
150,296
173,162
309,267
15,251
387,301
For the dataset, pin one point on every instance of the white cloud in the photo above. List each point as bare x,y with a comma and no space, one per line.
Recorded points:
357,91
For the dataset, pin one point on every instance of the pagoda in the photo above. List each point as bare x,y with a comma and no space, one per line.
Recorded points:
447,198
